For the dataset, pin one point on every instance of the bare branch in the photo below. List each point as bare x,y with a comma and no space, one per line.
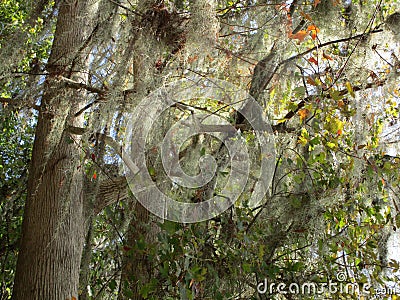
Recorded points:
126,8
111,191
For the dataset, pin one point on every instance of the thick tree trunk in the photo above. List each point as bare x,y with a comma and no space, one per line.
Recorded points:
52,234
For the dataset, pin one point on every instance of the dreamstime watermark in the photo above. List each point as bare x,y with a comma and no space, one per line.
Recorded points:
339,286
141,120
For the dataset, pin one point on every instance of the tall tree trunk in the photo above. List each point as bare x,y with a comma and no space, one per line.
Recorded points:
52,234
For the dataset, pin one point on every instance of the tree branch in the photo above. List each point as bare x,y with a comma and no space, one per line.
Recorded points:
107,139
327,44
303,102
14,102
79,85
110,191
126,8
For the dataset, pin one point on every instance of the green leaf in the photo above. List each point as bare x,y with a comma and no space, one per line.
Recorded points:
112,285
149,288
350,89
299,91
152,171
335,95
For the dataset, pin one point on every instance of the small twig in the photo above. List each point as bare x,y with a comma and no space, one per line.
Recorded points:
359,39
126,8
329,43
385,60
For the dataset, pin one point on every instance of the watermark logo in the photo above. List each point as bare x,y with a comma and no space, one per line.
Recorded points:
338,286
141,120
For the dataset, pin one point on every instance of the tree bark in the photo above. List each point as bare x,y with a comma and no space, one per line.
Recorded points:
53,226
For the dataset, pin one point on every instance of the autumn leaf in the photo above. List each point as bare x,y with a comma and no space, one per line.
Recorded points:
159,64
126,248
94,176
303,138
313,60
303,113
334,125
316,2
314,30
313,35
302,141
326,56
341,104
374,76
311,81
299,35
306,16
192,59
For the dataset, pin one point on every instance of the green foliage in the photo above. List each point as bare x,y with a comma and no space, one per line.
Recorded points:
12,16
16,138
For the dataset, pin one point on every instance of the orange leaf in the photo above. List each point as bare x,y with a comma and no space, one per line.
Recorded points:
94,176
311,81
73,298
299,35
326,56
306,16
313,60
339,132
316,2
192,59
341,103
313,30
313,35
303,113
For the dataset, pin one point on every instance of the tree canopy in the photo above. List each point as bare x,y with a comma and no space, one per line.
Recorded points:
290,105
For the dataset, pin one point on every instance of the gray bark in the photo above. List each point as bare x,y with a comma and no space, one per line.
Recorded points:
52,234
